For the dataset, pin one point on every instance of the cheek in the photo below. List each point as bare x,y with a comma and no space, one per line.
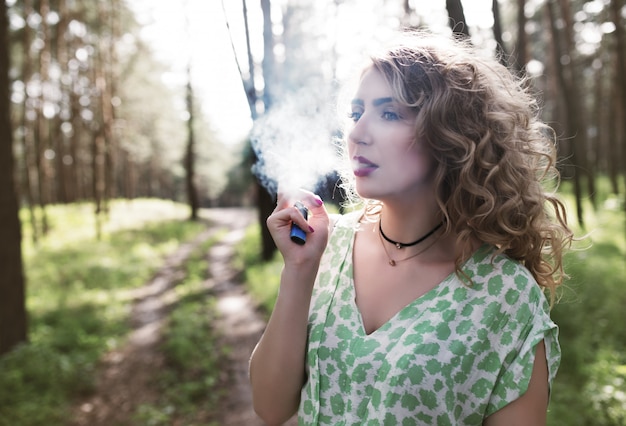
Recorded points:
418,159
349,148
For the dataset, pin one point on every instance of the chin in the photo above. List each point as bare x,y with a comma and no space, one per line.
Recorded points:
370,194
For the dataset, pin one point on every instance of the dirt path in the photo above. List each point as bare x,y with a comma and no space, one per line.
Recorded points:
125,375
240,327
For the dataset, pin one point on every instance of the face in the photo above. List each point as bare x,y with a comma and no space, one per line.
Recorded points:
386,159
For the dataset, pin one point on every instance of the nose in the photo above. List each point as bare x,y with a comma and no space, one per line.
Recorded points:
359,133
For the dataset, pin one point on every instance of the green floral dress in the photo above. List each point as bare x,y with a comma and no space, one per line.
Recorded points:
451,357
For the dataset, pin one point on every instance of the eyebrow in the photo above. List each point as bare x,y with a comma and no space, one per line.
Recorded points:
376,102
380,101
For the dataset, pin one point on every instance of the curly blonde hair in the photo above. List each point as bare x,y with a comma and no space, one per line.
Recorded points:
494,156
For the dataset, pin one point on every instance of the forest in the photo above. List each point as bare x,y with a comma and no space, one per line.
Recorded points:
90,126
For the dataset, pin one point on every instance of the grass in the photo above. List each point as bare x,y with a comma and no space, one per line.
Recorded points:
78,294
193,358
590,315
262,278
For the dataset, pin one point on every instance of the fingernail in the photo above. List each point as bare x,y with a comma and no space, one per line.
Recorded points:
311,229
318,201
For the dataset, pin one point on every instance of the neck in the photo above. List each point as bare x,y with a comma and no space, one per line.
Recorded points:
408,224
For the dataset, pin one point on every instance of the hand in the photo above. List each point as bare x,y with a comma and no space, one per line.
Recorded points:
280,221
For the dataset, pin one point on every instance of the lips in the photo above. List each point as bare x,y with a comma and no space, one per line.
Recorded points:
363,166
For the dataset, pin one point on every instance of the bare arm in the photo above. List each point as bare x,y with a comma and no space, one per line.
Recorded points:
277,370
530,408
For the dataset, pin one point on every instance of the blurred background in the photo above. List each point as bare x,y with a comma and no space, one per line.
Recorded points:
129,126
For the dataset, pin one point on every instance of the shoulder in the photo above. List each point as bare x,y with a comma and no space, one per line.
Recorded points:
341,234
343,225
487,266
498,278
349,220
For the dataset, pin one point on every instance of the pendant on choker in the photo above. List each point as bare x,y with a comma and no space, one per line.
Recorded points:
393,262
400,245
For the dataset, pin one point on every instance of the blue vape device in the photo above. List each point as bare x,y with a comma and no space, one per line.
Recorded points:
297,235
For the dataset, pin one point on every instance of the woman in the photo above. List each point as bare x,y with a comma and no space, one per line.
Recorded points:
425,307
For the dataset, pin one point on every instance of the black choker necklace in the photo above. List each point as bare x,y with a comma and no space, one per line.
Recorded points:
402,245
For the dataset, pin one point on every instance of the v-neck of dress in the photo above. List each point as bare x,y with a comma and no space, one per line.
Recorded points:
427,296
410,306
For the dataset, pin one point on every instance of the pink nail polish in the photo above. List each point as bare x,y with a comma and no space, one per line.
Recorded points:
318,201
311,228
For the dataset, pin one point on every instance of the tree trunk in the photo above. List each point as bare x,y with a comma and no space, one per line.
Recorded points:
60,139
248,84
594,142
266,202
269,61
614,132
78,169
501,52
41,134
27,140
521,50
620,56
407,15
192,192
104,117
577,123
97,164
107,52
569,92
12,298
457,18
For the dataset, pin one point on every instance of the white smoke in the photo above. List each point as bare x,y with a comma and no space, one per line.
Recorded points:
295,142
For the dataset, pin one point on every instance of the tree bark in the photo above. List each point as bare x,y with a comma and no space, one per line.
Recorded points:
60,139
192,192
614,124
98,146
111,90
41,133
569,92
104,117
266,202
620,56
521,49
457,18
406,16
27,140
501,52
12,298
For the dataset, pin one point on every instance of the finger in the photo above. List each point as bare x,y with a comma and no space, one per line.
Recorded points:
312,201
299,194
282,202
298,218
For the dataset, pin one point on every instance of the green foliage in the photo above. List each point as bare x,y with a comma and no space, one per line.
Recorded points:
262,278
215,162
590,316
239,179
154,135
193,360
606,388
78,296
37,381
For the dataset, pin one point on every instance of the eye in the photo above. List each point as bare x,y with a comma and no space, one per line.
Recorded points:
355,115
390,116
